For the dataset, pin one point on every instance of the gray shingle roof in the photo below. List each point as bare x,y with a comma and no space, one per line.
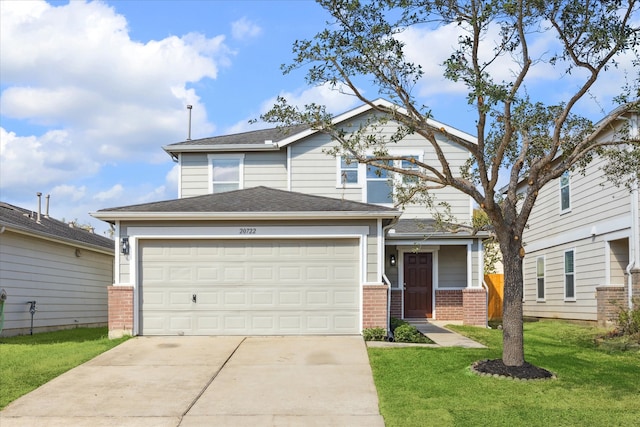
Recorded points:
257,137
429,227
22,219
255,200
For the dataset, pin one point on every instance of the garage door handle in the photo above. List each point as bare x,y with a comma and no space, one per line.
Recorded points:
194,298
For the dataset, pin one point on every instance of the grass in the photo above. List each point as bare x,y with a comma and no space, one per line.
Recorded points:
28,361
435,387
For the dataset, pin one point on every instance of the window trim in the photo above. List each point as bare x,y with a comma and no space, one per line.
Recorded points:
339,169
566,174
543,277
239,157
395,178
565,274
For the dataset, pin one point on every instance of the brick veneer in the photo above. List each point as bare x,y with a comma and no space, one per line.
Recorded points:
609,300
396,304
374,306
474,303
120,311
449,304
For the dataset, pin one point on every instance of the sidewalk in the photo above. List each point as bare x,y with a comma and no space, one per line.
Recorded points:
434,330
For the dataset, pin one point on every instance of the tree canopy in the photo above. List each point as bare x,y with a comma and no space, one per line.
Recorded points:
521,137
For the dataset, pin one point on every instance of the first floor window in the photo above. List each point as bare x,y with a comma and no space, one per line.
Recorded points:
226,173
540,278
569,275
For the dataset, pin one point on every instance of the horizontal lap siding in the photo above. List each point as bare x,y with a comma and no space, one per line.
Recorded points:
596,207
69,290
195,174
452,267
265,169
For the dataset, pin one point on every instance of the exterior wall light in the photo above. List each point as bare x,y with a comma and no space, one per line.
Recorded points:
125,245
392,260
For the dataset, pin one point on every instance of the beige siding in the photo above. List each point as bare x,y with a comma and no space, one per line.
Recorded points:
194,172
452,267
266,169
69,290
619,259
313,171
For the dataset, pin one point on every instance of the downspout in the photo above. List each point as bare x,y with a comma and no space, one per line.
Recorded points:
634,243
384,275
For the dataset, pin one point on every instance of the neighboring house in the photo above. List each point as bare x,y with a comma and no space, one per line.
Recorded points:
271,235
65,269
583,245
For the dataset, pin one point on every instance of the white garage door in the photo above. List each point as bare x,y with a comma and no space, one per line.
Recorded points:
249,287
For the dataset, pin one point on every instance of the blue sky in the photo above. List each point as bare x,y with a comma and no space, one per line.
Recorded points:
91,91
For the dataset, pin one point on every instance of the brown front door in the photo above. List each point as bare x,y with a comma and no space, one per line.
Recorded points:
418,285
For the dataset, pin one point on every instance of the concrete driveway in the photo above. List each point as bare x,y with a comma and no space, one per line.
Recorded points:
211,381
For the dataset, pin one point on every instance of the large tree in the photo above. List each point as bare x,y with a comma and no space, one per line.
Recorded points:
519,136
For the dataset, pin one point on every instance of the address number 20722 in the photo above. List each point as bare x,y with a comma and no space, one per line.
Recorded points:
247,230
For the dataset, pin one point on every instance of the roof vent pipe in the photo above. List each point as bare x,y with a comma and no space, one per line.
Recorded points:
46,210
189,107
39,194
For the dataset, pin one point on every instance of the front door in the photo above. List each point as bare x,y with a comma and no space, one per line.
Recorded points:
418,285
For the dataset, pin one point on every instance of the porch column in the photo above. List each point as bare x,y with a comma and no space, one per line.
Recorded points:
120,301
374,306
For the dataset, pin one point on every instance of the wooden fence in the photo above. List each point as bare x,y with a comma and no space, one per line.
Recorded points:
495,282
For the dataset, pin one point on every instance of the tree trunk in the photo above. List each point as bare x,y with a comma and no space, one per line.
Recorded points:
512,332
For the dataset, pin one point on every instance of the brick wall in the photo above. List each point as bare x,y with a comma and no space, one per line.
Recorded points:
396,304
449,304
609,300
374,306
120,311
474,303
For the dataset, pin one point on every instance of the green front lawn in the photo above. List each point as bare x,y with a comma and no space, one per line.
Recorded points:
435,387
28,361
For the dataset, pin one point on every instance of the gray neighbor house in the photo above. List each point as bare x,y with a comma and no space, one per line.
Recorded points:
60,270
270,235
583,244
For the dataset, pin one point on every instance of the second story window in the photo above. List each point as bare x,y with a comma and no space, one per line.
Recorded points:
379,185
225,172
348,171
565,193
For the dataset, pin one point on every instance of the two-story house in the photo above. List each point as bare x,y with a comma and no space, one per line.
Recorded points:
270,235
583,244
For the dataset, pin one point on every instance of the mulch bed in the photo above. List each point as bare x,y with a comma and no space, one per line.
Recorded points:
496,368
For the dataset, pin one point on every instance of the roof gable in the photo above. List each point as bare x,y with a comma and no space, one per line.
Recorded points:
276,138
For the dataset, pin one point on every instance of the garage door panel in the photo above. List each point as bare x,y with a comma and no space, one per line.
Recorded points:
244,287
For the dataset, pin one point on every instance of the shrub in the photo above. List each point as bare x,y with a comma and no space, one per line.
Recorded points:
408,333
374,334
397,322
628,321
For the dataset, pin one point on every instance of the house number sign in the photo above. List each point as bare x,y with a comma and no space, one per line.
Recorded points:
244,230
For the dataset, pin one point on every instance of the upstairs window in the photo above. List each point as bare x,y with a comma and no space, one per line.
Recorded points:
569,276
565,193
226,173
348,172
379,185
410,166
540,278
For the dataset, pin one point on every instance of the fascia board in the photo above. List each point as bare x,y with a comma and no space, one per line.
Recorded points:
221,147
205,216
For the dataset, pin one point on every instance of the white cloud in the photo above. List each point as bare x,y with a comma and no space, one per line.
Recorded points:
243,29
336,101
112,193
74,68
